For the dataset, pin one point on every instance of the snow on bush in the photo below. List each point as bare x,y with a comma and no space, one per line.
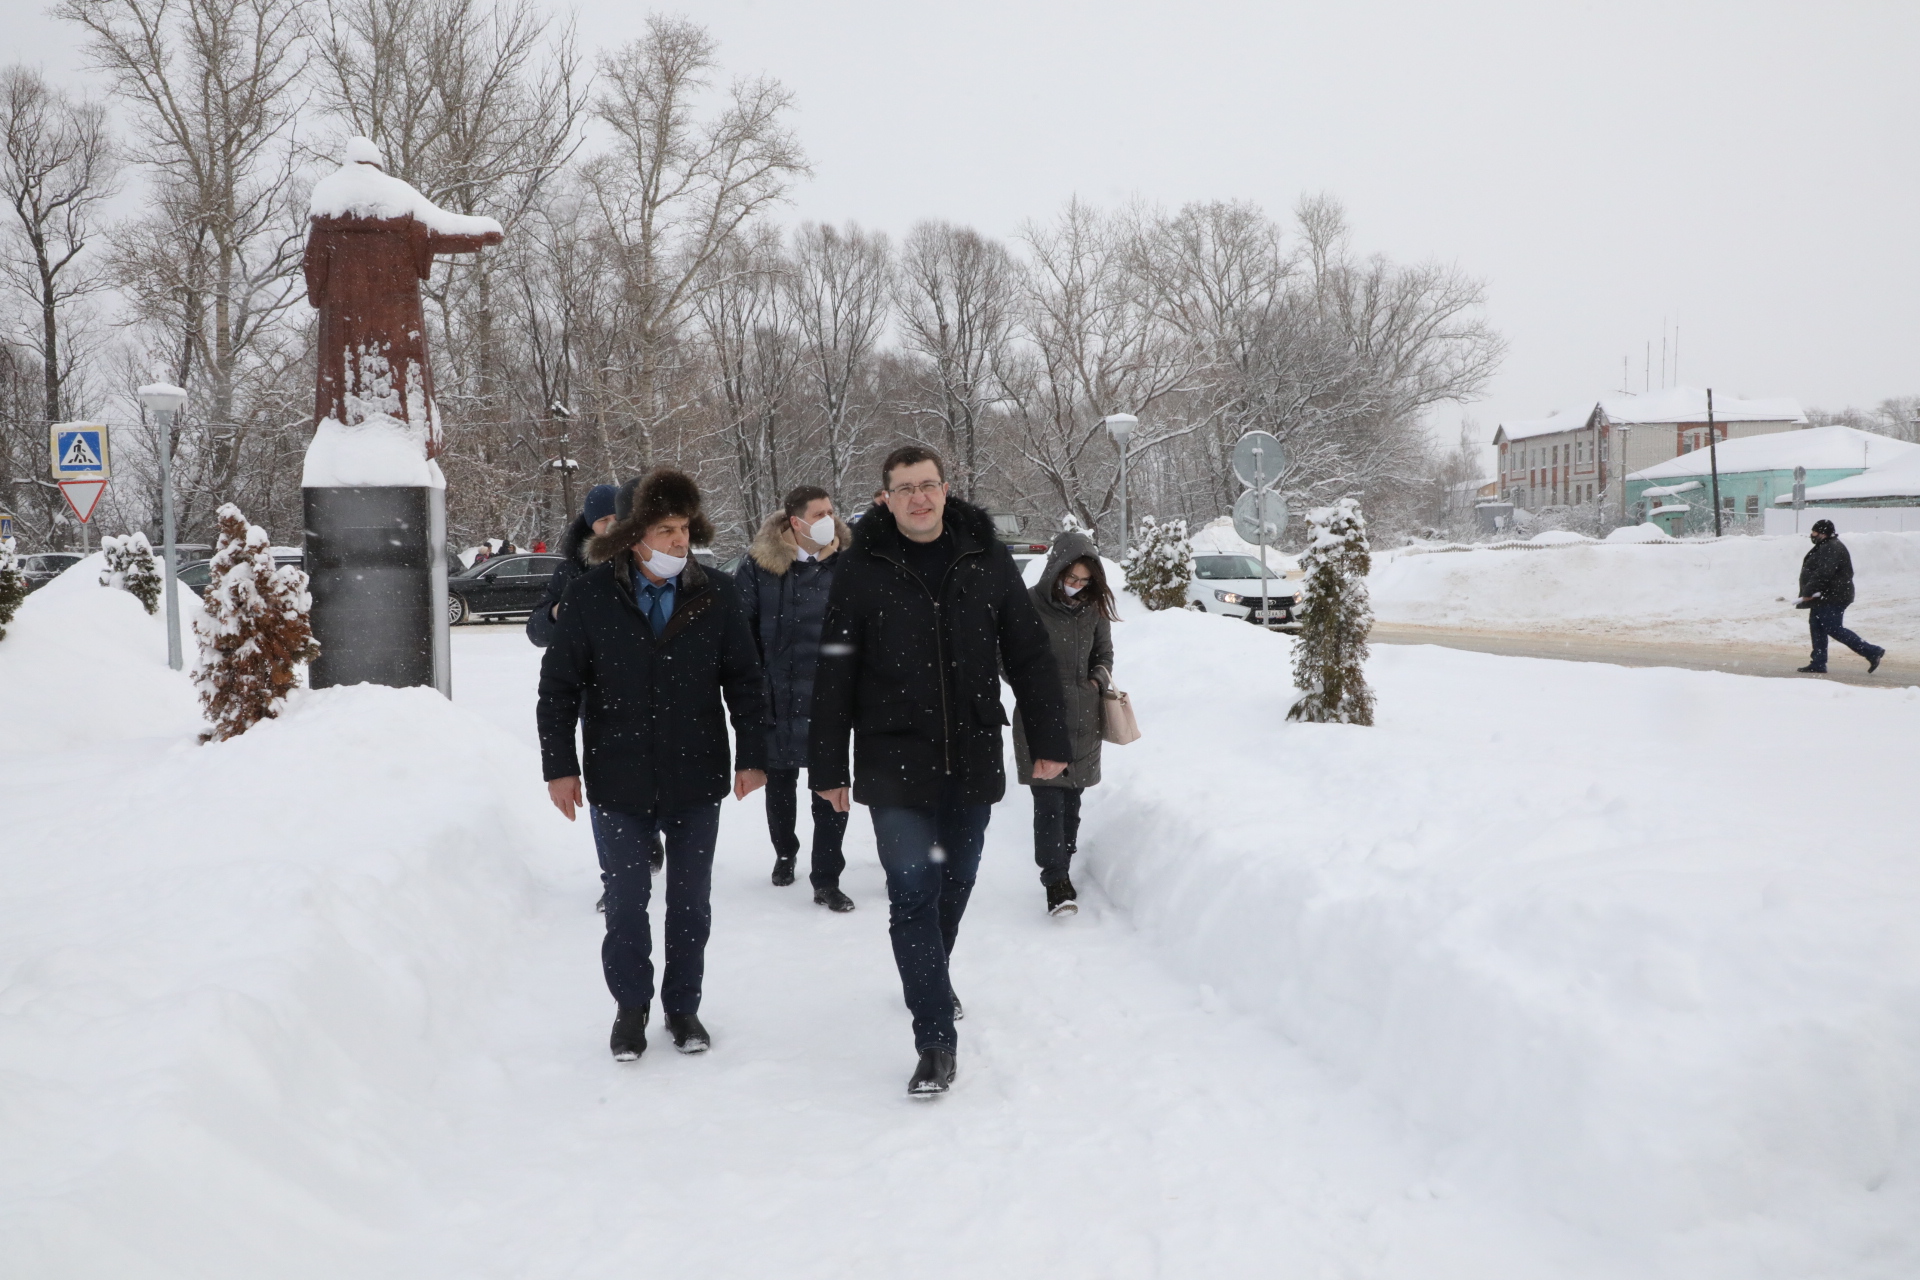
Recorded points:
1159,564
1328,661
256,632
13,584
132,568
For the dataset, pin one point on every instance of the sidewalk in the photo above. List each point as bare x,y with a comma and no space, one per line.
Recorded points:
1898,670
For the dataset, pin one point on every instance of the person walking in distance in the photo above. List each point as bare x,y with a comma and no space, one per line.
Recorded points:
1826,589
927,610
597,515
785,578
1076,606
647,645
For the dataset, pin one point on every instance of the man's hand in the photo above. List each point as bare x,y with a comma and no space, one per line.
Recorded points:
841,798
566,796
1047,770
748,781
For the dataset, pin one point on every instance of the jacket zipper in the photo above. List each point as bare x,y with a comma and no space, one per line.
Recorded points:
939,655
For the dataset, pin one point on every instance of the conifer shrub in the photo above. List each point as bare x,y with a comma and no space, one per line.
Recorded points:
1159,564
256,632
1330,655
132,567
13,584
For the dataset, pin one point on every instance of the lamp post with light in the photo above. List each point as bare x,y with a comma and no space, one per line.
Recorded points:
163,401
1120,426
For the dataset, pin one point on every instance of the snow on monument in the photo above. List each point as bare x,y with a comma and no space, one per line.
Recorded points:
374,496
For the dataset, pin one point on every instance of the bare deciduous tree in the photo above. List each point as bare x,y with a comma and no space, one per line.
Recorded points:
839,290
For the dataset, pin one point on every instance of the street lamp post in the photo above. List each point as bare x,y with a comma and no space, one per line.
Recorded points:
1120,426
565,462
163,401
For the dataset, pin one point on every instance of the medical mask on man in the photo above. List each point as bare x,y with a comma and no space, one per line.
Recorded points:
820,532
662,565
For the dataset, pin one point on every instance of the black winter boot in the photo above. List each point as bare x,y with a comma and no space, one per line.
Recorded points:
629,1039
832,899
1873,663
783,869
934,1075
1811,670
1060,899
688,1035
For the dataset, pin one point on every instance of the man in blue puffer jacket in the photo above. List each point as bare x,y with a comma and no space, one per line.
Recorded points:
784,580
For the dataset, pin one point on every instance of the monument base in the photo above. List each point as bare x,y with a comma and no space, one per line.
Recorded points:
377,564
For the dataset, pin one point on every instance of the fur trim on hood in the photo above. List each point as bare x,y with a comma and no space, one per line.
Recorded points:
775,550
573,543
645,502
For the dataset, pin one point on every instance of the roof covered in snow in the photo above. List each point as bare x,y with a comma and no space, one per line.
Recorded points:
361,189
1896,477
1816,449
1673,404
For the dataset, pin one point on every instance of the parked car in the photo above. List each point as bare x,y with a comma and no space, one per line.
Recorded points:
503,587
197,575
43,568
1230,585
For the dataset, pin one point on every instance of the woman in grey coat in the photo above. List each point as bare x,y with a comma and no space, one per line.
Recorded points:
1077,607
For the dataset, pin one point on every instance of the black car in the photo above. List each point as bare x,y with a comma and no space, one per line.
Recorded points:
503,587
43,568
197,575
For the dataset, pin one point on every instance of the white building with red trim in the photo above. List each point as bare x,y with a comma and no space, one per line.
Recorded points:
1577,456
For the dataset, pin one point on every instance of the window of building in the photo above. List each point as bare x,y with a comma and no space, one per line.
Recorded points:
1753,505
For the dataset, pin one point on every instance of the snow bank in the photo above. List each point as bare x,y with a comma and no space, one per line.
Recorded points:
359,190
1737,589
84,663
1677,1006
381,451
235,974
1633,533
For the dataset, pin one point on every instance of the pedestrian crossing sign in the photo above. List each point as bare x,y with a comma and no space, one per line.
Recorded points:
79,451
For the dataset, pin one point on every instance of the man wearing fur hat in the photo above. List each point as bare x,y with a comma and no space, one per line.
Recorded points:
784,581
928,610
646,646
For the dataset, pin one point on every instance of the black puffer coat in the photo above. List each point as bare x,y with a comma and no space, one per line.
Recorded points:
573,548
1827,572
786,602
1083,647
649,709
887,638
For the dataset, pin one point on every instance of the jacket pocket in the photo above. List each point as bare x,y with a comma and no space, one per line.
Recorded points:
989,711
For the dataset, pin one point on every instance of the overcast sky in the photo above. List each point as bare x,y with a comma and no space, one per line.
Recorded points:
1747,169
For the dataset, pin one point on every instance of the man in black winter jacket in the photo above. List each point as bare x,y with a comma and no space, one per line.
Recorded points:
785,579
647,644
927,610
1826,589
597,515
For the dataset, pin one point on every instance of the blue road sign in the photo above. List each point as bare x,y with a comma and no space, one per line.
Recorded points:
79,451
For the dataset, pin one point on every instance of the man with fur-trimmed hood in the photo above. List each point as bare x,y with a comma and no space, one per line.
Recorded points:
646,645
784,581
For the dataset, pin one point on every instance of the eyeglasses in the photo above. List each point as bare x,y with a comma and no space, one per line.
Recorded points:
1077,579
925,489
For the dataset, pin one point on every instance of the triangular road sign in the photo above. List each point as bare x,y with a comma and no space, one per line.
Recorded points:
83,496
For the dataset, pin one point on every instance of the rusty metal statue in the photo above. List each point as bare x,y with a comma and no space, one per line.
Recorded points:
373,239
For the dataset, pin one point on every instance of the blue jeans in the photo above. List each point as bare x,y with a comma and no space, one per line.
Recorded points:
1825,620
931,857
624,841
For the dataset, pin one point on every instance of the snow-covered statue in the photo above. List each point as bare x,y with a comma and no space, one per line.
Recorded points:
372,240
375,499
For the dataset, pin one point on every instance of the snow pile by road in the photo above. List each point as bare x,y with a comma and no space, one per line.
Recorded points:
1632,948
1696,589
230,974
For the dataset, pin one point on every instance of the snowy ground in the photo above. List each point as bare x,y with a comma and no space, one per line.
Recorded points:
1561,971
1691,590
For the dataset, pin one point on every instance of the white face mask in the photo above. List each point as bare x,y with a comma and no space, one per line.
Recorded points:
820,532
662,565
1070,589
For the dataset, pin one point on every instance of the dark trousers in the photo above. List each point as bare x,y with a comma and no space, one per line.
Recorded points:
829,828
1825,620
624,841
931,857
1056,830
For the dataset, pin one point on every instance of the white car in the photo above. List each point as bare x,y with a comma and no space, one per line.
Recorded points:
1230,585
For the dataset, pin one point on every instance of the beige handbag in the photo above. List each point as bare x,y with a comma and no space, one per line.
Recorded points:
1117,724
